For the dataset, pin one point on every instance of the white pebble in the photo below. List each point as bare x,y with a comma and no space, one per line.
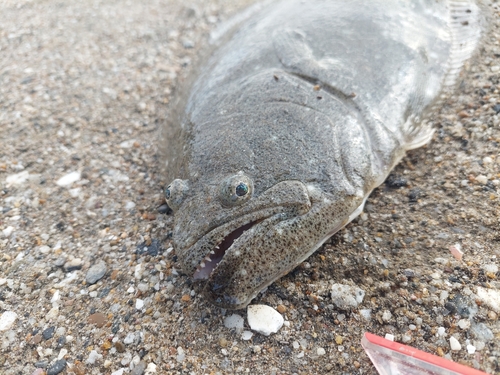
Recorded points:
483,180
386,315
264,319
93,357
44,249
346,297
7,231
320,351
118,372
246,335
491,267
139,304
441,331
127,144
129,205
464,323
296,345
7,319
62,353
151,369
366,314
489,297
471,349
68,179
234,321
487,160
17,179
454,344
181,355
389,337
53,313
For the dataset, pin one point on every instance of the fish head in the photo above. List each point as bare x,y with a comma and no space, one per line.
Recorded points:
238,242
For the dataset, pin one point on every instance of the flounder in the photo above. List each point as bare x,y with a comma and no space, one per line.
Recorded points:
295,118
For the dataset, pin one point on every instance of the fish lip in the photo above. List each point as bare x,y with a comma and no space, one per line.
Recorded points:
217,232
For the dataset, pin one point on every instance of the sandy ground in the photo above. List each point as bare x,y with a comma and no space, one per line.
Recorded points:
84,87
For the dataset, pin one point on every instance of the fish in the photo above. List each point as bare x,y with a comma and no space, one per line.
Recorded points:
301,110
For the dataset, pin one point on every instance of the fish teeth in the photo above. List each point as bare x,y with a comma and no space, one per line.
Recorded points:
207,258
202,265
212,252
217,247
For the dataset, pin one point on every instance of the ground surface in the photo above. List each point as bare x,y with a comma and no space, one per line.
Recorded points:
83,90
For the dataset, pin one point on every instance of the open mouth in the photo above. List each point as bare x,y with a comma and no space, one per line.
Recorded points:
211,260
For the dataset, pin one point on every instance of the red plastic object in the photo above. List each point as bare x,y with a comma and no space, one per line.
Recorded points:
393,358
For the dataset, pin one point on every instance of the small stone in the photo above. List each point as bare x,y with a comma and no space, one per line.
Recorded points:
456,251
366,314
389,337
120,347
246,335
320,351
57,367
441,331
481,332
346,297
151,369
139,369
483,180
339,339
489,297
186,298
471,349
223,342
464,323
386,316
234,321
281,309
264,319
98,319
74,264
181,355
454,344
68,179
93,357
129,205
48,333
118,372
96,272
7,231
7,319
139,304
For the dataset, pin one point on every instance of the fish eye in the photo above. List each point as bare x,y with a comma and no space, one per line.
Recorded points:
175,193
235,190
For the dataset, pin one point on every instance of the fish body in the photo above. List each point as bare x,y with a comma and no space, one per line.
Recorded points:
296,117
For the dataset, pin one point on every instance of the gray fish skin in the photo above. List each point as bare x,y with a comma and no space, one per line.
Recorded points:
293,121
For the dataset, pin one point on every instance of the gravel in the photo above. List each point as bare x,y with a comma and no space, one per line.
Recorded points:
84,88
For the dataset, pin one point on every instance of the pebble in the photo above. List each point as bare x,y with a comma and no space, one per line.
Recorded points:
464,323
7,319
346,297
456,251
246,335
17,179
96,272
234,321
489,297
38,371
93,357
389,336
454,344
441,331
129,205
481,332
139,369
118,372
48,333
68,179
471,349
264,319
386,316
120,347
181,355
7,231
139,304
320,351
98,319
57,367
483,180
151,369
366,314
491,267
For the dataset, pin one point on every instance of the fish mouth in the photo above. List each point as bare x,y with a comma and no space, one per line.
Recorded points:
215,256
